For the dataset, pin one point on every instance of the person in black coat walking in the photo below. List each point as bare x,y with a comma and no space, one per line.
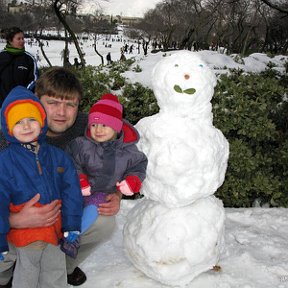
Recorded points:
108,58
17,66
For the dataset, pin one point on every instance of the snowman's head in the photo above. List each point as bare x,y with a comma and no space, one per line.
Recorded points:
183,84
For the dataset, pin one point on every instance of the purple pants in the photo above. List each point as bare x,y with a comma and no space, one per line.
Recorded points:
95,199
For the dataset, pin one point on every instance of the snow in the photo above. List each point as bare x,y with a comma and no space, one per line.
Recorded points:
187,161
192,237
255,252
187,154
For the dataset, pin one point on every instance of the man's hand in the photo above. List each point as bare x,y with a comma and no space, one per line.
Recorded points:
32,217
112,206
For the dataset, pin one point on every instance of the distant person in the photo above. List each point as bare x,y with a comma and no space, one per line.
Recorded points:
34,167
108,58
122,57
76,63
67,63
38,59
17,67
131,49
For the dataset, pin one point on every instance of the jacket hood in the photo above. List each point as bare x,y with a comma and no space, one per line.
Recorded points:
130,134
19,95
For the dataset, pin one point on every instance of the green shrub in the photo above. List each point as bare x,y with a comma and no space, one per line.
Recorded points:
252,113
138,102
137,69
95,82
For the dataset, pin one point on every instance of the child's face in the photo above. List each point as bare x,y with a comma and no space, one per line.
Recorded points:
26,130
102,133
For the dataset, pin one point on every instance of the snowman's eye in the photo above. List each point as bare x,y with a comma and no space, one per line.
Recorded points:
176,65
201,65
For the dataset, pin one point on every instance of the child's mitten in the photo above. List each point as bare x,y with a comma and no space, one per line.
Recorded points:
70,243
129,186
84,184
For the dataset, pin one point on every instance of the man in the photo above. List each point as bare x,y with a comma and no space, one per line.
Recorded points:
60,93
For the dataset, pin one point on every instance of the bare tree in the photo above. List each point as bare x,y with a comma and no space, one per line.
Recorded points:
62,8
5,18
40,23
194,21
99,27
281,7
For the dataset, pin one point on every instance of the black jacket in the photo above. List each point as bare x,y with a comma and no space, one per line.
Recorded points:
20,69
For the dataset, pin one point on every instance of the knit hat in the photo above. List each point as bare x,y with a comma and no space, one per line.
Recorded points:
107,111
24,109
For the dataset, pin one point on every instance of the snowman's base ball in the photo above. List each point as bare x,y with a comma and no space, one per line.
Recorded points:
173,246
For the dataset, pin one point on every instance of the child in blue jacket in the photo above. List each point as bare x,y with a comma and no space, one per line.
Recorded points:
30,166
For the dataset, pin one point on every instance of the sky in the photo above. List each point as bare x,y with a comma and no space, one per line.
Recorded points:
132,8
255,250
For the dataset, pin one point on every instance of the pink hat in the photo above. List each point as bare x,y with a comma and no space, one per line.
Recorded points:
107,111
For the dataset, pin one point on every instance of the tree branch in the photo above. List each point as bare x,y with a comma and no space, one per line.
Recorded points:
275,6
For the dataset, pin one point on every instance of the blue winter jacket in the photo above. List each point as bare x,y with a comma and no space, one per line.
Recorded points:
21,179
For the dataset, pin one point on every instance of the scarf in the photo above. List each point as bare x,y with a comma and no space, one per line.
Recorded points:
31,146
14,51
34,148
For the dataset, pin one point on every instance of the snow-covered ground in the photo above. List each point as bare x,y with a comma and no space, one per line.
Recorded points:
256,249
220,63
255,255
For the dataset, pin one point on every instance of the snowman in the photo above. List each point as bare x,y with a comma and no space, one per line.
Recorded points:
176,232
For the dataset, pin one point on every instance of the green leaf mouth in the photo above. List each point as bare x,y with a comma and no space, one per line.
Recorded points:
178,89
189,91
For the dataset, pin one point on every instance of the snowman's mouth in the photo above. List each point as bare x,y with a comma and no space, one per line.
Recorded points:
189,91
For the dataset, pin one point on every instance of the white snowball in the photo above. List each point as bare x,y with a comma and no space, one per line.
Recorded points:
173,246
184,84
186,159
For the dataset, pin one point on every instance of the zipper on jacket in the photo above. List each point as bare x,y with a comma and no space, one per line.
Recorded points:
38,164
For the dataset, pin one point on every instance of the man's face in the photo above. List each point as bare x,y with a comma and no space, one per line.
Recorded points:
61,114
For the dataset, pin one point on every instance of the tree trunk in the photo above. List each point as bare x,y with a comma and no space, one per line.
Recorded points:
95,49
276,6
67,27
43,52
245,43
66,53
145,45
187,39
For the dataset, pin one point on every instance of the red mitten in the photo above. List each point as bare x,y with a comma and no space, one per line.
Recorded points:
84,184
130,185
124,188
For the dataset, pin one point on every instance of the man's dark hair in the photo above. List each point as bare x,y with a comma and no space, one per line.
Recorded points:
59,82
